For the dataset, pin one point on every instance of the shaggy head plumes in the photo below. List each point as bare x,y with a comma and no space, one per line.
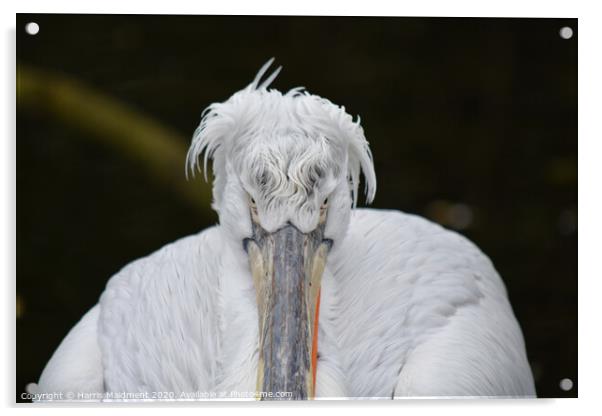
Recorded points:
288,151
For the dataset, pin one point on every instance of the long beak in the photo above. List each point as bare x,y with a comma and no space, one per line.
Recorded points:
287,268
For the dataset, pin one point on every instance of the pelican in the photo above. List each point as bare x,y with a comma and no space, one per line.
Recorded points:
296,293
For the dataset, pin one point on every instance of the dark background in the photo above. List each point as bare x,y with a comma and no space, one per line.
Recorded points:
472,123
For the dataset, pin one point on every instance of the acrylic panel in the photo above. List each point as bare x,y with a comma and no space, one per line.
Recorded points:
468,126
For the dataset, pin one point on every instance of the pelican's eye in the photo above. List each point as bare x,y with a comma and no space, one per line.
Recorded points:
323,210
252,206
324,204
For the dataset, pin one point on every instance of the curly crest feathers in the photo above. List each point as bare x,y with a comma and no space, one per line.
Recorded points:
281,144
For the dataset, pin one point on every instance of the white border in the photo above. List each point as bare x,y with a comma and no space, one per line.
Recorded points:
508,8
590,207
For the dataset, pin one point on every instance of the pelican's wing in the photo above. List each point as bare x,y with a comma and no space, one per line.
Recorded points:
75,369
159,323
153,331
417,310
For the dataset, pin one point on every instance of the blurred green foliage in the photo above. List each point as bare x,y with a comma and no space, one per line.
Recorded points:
472,123
159,150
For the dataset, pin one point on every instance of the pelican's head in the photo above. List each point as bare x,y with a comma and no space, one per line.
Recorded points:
286,170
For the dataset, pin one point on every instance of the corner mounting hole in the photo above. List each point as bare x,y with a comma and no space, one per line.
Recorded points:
566,384
566,32
32,28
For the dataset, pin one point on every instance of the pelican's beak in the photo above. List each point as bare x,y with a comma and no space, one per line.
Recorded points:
287,267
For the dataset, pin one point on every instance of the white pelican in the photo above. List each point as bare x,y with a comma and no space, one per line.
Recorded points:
296,293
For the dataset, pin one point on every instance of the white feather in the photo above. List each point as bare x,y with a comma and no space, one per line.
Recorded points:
75,367
418,312
272,136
